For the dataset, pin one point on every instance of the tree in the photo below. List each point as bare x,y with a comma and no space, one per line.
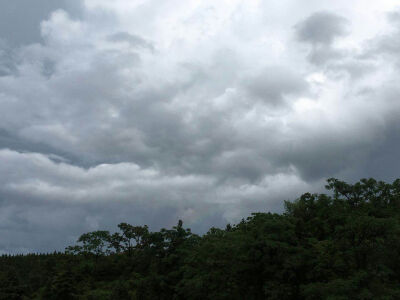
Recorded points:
93,243
62,287
133,237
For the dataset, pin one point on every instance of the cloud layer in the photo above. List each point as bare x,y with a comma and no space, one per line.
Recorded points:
146,113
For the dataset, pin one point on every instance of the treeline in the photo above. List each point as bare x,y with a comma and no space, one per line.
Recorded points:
344,245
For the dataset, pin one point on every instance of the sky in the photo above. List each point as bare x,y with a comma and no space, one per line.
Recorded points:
148,112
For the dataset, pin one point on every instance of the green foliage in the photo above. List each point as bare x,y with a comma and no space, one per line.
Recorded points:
62,287
342,245
93,243
133,237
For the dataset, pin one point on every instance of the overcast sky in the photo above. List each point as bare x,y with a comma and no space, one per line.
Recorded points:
148,111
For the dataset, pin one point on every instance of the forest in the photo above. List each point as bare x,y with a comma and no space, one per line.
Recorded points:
344,244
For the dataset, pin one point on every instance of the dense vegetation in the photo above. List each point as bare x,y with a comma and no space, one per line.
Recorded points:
345,245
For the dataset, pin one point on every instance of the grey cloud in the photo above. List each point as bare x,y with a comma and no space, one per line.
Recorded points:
355,68
320,31
325,54
326,154
321,28
383,160
273,83
17,143
208,144
208,128
20,19
7,62
394,17
366,145
133,135
386,45
41,200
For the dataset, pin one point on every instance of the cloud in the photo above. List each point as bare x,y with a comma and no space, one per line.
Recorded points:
387,45
321,28
132,40
123,111
41,199
7,63
24,17
273,84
